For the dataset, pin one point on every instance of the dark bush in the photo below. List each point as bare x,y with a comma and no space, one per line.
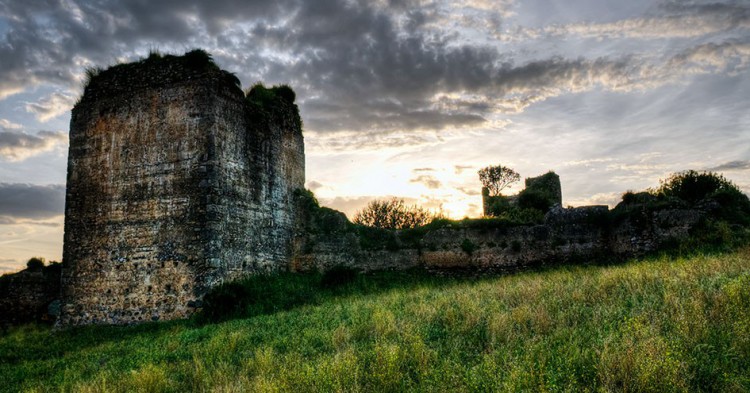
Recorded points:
372,238
226,300
35,263
285,92
338,276
735,206
533,199
497,205
261,96
693,186
197,59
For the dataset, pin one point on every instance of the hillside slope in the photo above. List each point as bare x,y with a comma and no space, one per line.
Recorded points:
660,324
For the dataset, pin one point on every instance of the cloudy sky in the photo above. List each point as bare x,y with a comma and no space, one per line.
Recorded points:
404,98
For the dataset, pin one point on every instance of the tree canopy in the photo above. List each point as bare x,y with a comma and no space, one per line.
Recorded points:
392,214
497,177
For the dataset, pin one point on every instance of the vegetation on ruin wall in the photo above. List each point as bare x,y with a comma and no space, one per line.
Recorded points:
266,105
156,70
274,104
690,190
326,222
661,324
726,222
727,209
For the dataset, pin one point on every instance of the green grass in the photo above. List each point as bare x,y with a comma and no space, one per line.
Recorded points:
659,324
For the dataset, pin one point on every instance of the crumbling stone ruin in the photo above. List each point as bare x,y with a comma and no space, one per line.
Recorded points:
544,189
31,295
176,182
488,245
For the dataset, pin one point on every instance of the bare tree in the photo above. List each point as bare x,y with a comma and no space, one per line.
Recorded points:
497,177
392,214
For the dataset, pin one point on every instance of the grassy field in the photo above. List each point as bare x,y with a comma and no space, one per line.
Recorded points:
660,324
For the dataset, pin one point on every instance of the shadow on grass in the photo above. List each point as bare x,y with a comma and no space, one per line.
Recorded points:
246,298
268,294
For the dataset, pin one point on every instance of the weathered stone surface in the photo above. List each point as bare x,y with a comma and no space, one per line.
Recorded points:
571,234
645,231
172,189
26,296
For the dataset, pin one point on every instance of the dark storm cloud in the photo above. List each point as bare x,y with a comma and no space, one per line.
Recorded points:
16,145
739,165
31,202
376,67
47,39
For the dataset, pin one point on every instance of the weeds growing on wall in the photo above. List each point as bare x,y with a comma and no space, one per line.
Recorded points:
274,105
154,71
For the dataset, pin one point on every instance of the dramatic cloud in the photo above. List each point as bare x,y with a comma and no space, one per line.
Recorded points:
676,20
52,106
19,202
9,125
9,266
375,68
18,146
314,185
428,181
733,166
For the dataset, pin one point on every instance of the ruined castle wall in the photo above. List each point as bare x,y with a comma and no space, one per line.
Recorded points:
29,296
136,207
260,169
566,235
174,186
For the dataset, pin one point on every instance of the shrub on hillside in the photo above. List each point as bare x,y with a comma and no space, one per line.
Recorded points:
35,263
693,186
707,190
392,214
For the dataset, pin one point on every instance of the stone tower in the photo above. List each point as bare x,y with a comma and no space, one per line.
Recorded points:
176,182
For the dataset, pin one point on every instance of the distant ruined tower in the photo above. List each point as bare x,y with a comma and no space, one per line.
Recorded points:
176,182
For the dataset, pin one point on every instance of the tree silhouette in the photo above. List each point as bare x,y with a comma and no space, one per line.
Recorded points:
392,214
497,177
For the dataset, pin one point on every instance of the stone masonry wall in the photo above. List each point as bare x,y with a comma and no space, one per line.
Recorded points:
171,191
571,234
30,295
